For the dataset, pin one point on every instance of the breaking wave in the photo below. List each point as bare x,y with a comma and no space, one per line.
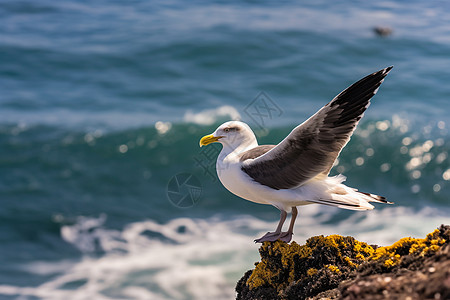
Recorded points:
193,258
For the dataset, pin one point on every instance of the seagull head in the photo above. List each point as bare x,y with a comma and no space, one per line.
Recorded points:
231,134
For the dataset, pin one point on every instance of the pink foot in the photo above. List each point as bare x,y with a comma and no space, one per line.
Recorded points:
268,237
285,237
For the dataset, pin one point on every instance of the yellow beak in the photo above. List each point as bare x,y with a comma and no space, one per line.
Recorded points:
208,139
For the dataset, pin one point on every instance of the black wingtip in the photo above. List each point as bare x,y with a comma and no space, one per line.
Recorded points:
379,75
384,200
377,198
385,71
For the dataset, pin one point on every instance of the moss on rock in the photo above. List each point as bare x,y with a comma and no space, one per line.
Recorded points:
292,271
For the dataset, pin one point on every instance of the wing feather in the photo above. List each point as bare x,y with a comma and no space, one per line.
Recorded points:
312,147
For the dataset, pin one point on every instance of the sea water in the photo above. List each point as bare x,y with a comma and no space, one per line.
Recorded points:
102,105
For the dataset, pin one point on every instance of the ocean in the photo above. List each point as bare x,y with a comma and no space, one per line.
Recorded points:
105,193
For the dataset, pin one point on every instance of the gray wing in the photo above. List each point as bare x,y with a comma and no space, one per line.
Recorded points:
255,152
312,147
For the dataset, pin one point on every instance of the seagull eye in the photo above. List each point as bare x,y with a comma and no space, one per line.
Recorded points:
226,129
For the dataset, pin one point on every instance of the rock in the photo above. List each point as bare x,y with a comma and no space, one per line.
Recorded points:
337,267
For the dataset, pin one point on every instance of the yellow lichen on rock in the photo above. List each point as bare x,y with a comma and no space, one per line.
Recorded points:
349,261
283,258
333,268
311,271
363,249
389,263
265,274
333,241
285,264
392,254
293,271
260,276
288,251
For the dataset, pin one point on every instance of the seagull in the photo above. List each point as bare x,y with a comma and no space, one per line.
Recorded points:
295,172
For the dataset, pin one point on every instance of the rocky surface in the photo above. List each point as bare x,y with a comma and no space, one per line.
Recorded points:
337,267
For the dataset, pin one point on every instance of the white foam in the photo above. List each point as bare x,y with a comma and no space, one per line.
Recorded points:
195,258
210,116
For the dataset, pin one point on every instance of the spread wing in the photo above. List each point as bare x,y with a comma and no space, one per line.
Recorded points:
313,146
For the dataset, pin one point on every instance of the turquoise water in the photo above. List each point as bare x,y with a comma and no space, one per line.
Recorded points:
102,104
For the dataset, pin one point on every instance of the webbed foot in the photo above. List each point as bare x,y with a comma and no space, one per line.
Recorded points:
268,237
285,236
273,236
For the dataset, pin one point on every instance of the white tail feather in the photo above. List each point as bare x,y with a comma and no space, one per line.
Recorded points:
339,195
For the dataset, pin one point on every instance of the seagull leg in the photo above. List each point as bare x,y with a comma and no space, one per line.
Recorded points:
273,236
287,236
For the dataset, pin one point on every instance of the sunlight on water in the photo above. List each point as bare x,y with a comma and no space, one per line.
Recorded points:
103,103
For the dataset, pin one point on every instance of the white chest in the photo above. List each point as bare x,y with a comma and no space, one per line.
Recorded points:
229,172
236,181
